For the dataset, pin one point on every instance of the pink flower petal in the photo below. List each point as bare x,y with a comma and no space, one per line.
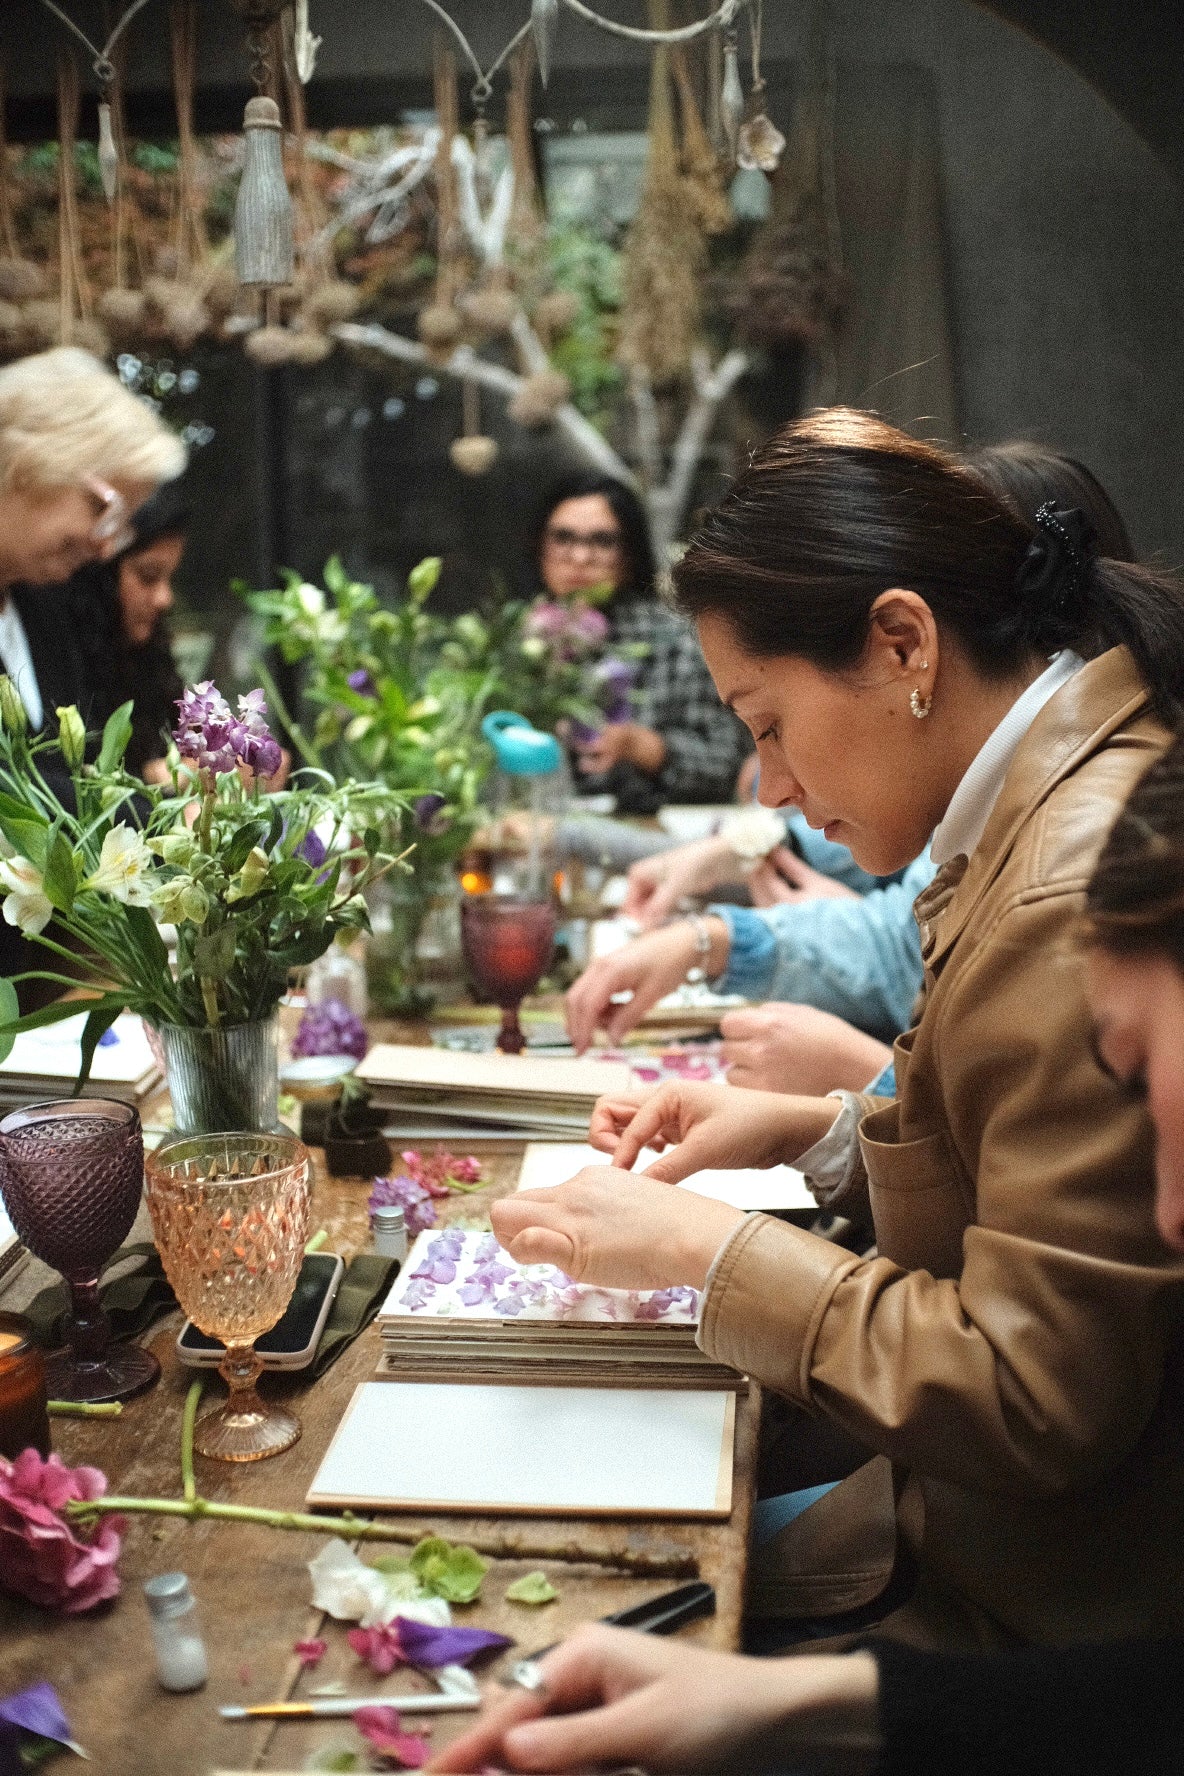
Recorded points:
310,1652
384,1731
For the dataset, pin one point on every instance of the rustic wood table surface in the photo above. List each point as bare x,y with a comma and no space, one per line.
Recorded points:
252,1583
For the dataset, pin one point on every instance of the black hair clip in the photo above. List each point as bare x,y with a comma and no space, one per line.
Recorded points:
1056,561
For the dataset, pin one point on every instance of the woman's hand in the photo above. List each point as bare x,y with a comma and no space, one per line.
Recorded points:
648,969
612,1697
796,1048
623,742
783,879
658,883
616,1229
707,1128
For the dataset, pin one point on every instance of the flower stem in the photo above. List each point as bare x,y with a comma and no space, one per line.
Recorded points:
498,1547
84,1408
189,1418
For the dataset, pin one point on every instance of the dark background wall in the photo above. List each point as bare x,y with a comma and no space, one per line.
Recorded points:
1063,248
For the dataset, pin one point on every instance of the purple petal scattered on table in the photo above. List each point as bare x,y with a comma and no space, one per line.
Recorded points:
425,1645
38,1710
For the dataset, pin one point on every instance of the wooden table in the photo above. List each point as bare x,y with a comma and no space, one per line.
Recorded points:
252,1583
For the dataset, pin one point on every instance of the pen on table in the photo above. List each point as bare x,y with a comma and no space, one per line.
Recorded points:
661,1615
338,1707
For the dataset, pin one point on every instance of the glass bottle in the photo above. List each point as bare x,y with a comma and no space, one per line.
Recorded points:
337,975
181,1662
390,1232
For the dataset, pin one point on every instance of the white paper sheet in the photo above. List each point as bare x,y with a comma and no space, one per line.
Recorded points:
642,1451
547,1163
55,1052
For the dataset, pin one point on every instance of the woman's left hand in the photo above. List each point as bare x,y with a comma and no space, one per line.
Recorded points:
623,743
783,879
620,1230
612,1697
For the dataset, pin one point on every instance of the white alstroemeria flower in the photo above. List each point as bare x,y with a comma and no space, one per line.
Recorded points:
350,1591
332,627
26,904
310,599
125,868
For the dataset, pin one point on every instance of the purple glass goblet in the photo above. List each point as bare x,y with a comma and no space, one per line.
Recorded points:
71,1175
508,942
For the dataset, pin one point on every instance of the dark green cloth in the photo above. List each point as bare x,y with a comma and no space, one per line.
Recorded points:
141,1294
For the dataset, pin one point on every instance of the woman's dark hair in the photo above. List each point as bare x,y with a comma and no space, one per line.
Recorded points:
1135,899
166,513
146,675
840,507
636,547
1026,475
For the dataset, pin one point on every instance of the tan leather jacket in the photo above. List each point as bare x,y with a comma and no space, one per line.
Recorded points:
1013,1346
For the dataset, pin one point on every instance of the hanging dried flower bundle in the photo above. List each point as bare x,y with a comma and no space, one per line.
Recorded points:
664,252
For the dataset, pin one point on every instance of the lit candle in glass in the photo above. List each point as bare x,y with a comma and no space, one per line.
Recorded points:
24,1422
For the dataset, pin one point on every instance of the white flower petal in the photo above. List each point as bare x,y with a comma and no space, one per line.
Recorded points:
344,1587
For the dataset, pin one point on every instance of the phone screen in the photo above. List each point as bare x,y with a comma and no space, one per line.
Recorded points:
294,1332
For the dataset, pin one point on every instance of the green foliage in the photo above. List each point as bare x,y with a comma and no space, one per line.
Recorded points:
533,1588
448,1570
587,266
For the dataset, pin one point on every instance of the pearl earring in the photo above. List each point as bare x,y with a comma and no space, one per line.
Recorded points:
920,705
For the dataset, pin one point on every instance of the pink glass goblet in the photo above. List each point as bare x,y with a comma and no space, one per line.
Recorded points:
508,942
71,1175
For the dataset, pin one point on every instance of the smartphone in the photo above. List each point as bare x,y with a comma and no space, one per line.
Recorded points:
292,1342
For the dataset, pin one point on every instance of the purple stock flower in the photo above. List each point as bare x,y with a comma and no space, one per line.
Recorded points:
361,682
210,737
419,1211
331,1029
205,729
615,678
426,811
258,746
582,734
312,849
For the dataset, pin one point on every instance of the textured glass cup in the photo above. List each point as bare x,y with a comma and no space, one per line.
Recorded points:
508,943
71,1174
222,1079
230,1215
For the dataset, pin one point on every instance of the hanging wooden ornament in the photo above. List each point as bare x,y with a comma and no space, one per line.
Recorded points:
544,25
264,248
760,144
108,152
731,95
472,454
440,324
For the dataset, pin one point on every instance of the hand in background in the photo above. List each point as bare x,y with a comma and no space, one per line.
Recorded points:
622,742
612,1697
648,968
657,884
783,878
699,1128
796,1048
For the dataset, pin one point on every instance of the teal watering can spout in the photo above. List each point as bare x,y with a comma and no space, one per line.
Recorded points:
521,750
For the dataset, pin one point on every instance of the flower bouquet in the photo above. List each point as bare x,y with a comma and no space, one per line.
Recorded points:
386,704
255,884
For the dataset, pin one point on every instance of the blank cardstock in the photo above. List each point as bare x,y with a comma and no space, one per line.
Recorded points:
548,1451
547,1163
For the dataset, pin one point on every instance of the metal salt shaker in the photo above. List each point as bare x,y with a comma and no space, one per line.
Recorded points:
181,1662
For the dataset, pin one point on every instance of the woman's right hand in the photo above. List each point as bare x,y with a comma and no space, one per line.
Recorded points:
649,968
696,1128
658,883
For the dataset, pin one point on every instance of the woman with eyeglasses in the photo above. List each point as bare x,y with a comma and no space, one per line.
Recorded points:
1071,1710
78,454
915,658
671,739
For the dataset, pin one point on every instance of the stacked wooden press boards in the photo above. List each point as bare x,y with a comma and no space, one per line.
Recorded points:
533,1098
583,1336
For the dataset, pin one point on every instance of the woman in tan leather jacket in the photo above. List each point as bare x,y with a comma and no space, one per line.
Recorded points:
914,659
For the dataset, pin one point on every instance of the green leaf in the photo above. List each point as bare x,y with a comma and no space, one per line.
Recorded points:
253,833
533,1588
9,1012
116,734
213,952
97,1024
454,1573
423,578
26,831
61,873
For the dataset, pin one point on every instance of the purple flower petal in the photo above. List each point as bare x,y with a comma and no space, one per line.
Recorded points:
361,682
38,1710
426,1645
426,810
331,1029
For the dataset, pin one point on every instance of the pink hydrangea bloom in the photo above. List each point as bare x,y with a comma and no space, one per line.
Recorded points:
41,1557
